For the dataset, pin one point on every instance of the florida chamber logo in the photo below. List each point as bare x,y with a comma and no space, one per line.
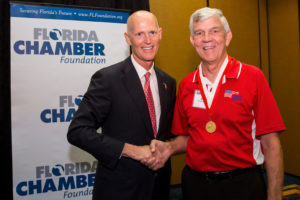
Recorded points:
64,178
72,46
65,112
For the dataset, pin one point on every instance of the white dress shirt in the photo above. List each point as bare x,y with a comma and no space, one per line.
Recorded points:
141,71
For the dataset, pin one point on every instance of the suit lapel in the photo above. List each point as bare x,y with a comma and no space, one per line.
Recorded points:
162,88
133,84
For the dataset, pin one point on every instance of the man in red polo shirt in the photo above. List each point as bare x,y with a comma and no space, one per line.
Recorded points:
227,122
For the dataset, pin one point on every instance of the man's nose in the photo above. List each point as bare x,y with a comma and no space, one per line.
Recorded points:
147,38
207,37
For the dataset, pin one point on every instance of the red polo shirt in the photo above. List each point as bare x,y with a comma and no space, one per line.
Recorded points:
244,109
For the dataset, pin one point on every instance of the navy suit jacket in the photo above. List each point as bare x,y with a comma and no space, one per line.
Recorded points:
115,101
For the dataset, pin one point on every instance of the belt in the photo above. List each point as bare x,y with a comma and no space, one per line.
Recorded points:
225,174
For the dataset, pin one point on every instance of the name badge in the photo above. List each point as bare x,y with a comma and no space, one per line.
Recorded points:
198,101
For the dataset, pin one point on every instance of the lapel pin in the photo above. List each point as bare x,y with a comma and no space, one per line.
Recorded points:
165,85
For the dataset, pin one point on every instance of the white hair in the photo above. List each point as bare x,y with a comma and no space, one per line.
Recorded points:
204,13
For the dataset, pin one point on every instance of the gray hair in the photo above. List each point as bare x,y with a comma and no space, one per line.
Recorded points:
204,13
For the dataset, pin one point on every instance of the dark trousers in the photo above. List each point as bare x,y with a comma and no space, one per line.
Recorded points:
161,189
243,186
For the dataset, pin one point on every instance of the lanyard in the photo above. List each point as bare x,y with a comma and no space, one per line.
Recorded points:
211,126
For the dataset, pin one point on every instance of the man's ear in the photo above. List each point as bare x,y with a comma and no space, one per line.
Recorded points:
160,33
192,40
228,38
127,38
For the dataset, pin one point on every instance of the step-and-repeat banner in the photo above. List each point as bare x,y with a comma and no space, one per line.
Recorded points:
54,52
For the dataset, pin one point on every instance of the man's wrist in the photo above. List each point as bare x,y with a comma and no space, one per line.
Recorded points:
170,147
128,150
135,152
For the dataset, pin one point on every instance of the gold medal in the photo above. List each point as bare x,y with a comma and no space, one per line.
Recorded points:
210,127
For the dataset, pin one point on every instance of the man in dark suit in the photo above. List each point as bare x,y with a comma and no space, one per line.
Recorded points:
132,109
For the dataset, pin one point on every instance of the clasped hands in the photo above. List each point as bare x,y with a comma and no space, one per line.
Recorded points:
155,155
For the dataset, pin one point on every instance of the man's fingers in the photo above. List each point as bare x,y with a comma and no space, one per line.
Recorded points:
152,146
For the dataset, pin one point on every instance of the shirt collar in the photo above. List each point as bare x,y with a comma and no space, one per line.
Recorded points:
141,71
233,71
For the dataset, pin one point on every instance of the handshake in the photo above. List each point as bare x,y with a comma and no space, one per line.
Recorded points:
154,156
157,153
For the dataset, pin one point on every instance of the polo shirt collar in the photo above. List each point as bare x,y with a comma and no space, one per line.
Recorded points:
233,71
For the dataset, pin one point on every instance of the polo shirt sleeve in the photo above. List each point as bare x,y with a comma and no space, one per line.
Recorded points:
266,112
180,123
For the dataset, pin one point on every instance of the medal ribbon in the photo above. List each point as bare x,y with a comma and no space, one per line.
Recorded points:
211,109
